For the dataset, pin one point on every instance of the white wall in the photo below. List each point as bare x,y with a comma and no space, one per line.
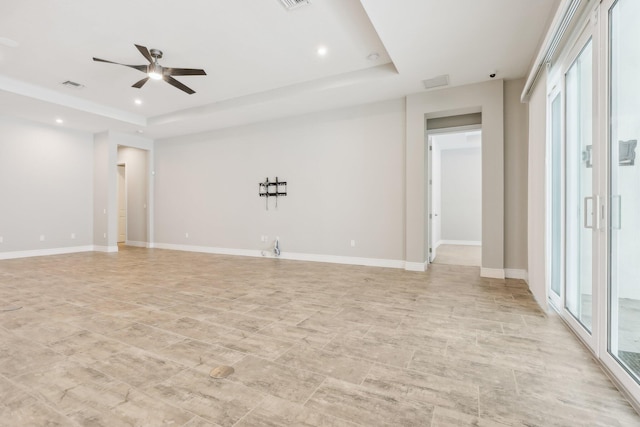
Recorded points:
47,187
101,188
136,172
345,174
516,146
536,192
461,197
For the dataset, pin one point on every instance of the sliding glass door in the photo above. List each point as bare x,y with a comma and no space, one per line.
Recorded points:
593,190
555,216
624,185
580,202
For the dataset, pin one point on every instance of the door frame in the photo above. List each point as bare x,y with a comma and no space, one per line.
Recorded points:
431,251
126,208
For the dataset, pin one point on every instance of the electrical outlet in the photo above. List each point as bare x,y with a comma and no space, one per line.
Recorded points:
104,235
73,236
42,237
186,235
1,239
353,243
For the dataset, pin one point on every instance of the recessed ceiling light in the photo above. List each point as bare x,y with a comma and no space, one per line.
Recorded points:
59,121
373,56
322,51
138,101
140,131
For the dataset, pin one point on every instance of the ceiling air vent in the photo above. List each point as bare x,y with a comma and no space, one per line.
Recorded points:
72,85
292,4
439,81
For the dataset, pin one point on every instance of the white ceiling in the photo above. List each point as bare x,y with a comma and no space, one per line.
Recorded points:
261,60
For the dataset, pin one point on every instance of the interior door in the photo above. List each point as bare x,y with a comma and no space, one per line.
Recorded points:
431,199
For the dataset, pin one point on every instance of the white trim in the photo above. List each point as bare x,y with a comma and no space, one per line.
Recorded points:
460,242
334,259
416,266
45,252
453,129
492,273
138,244
208,249
514,273
108,249
564,16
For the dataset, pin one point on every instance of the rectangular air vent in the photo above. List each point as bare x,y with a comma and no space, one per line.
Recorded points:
292,4
72,85
439,81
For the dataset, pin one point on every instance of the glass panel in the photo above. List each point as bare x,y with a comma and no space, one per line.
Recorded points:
624,181
579,203
556,196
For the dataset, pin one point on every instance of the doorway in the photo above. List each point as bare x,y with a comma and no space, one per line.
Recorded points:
122,204
455,186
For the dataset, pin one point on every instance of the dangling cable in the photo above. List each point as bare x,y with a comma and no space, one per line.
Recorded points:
276,248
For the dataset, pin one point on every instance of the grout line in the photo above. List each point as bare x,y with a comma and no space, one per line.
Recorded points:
415,350
515,381
367,374
252,409
314,391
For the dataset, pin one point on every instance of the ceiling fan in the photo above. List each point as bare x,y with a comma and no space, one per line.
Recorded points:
156,71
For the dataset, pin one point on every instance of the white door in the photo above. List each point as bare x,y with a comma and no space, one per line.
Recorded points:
122,205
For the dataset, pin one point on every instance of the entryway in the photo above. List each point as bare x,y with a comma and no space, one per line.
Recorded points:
455,208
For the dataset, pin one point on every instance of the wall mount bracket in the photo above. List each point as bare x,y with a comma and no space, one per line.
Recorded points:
275,189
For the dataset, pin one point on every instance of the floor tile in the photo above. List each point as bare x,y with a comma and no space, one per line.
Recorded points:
359,404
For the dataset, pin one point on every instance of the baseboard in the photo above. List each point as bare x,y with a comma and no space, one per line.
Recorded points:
415,266
333,259
513,273
45,252
137,244
492,273
108,249
208,249
460,242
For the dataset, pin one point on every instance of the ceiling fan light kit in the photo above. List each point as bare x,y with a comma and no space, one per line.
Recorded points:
155,71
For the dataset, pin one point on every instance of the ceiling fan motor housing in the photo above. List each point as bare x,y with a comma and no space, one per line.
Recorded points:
155,53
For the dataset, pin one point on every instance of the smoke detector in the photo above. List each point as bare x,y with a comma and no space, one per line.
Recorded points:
293,4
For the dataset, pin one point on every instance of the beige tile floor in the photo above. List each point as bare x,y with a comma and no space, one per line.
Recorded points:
128,339
459,255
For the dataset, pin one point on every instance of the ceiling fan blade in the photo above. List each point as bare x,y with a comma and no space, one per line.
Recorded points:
142,68
175,83
140,83
184,72
145,52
